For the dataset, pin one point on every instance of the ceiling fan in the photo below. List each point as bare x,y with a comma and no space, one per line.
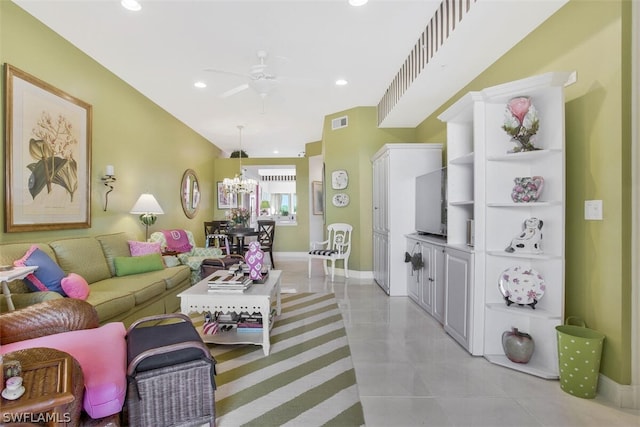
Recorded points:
259,78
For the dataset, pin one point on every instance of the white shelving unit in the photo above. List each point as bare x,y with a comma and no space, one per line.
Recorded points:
464,263
474,130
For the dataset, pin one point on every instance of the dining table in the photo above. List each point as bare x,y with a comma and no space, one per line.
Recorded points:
238,236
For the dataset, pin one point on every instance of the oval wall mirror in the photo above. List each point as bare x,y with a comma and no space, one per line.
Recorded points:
190,193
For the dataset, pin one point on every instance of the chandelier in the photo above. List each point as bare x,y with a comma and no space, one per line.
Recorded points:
239,184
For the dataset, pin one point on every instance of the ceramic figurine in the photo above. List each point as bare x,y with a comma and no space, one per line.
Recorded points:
530,240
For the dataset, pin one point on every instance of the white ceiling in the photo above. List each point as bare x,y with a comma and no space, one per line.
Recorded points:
166,47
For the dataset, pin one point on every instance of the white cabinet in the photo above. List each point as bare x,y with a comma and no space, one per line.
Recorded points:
426,286
395,168
459,311
481,179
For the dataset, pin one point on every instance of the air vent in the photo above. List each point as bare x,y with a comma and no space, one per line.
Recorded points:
278,178
340,122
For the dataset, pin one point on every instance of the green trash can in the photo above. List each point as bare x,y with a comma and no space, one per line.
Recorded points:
579,354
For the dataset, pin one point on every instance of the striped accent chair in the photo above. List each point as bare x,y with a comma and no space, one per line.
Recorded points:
336,247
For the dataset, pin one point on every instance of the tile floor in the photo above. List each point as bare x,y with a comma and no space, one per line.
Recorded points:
411,373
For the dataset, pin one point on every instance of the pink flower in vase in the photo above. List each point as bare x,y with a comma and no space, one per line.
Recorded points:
519,107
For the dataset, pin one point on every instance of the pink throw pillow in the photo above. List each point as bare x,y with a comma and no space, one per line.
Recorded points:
75,286
144,248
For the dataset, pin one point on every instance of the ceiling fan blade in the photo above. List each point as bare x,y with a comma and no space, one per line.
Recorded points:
235,90
230,73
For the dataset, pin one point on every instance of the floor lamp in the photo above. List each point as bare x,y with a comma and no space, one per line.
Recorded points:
147,207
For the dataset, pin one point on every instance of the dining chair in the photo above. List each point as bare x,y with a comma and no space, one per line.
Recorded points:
212,229
266,236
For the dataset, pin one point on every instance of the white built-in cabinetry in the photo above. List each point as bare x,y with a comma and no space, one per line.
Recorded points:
459,291
481,173
426,284
395,167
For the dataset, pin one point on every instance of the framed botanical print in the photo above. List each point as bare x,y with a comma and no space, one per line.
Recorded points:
47,156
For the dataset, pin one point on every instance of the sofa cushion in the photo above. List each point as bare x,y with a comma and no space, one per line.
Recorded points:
110,303
126,266
83,256
177,276
143,286
102,354
114,245
48,275
75,286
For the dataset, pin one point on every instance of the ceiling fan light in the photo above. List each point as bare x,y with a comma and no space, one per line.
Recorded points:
262,86
132,5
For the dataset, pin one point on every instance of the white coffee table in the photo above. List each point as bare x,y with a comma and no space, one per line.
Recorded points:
258,298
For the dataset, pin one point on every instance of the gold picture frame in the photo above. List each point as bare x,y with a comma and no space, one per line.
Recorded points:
47,156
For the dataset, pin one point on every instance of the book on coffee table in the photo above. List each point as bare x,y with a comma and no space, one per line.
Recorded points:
231,285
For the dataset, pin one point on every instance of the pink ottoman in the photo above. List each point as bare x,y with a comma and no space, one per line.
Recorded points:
102,354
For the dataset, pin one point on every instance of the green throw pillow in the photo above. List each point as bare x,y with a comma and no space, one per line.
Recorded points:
126,265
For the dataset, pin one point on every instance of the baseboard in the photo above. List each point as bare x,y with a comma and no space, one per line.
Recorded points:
622,396
294,255
354,274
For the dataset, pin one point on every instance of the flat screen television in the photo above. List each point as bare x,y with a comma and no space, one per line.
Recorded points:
431,203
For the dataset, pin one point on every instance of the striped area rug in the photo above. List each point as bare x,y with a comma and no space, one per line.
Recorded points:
307,380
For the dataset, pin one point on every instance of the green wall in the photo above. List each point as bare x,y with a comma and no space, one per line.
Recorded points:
288,238
592,38
351,149
149,148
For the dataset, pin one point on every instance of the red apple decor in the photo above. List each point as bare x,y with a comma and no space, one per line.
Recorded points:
517,345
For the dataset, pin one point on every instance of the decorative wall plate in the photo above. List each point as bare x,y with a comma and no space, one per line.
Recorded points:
339,179
521,285
340,200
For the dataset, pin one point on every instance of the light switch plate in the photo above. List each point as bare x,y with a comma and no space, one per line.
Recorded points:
593,210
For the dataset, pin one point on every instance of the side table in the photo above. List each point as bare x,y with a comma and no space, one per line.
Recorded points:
54,387
13,274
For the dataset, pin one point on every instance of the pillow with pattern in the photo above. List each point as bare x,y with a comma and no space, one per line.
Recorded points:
144,248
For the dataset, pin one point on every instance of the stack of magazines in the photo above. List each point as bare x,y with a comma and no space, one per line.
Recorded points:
229,282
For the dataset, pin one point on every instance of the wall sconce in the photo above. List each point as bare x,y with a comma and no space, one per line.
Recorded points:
109,178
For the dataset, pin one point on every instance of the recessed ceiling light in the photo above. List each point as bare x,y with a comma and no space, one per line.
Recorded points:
341,82
275,151
133,5
358,2
200,85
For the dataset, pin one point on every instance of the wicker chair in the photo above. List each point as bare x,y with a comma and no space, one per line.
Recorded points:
171,374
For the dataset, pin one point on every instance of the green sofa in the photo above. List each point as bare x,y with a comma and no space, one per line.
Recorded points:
115,298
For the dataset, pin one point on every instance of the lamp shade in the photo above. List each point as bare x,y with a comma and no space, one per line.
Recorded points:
147,204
